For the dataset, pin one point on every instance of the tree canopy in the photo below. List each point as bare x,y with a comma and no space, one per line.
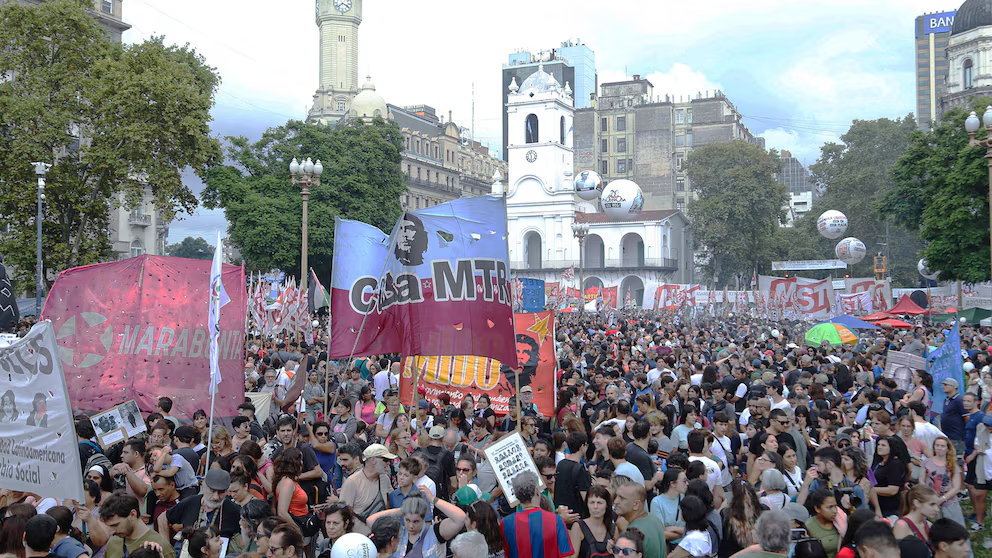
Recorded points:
853,177
942,190
361,181
194,248
119,122
739,206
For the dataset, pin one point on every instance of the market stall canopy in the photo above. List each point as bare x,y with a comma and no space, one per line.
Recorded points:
907,306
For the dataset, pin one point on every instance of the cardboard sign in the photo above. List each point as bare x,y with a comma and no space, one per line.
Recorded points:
109,427
899,366
38,452
509,457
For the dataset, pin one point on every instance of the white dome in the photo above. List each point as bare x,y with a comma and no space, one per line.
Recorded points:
540,82
368,103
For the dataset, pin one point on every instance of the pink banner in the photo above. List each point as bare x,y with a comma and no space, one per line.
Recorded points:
137,329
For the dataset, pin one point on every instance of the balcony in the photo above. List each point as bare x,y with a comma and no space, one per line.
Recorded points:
139,219
663,264
450,190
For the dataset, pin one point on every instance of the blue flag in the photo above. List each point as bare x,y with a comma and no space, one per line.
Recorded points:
945,363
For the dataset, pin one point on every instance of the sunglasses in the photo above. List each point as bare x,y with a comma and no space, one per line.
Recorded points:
321,433
623,551
463,470
548,477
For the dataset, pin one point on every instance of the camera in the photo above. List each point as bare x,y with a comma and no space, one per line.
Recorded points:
799,534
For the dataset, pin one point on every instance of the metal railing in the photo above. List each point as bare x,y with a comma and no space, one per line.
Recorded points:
139,219
669,264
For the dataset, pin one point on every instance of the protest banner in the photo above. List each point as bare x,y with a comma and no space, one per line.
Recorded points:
137,329
439,285
509,457
261,401
131,416
807,297
461,375
38,452
899,366
109,427
880,291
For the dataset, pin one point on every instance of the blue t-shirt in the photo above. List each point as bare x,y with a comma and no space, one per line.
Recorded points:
69,548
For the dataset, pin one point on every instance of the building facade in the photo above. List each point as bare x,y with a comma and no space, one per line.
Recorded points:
338,21
969,55
572,64
933,31
107,12
631,132
542,206
797,185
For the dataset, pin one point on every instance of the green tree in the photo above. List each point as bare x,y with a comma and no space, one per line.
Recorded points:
194,248
739,205
119,122
361,181
854,177
942,190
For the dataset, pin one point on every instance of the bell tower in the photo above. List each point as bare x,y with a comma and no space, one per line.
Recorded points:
338,22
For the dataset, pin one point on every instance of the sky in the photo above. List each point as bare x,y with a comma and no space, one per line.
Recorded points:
798,71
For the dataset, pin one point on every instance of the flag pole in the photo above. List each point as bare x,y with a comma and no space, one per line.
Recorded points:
513,317
214,299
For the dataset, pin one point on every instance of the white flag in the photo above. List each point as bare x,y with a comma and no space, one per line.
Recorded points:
218,298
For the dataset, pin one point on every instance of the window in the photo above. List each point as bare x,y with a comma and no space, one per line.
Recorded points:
688,116
621,123
680,204
679,141
137,249
621,145
630,102
342,38
408,170
680,116
688,139
418,173
563,130
604,124
108,6
621,166
530,129
341,106
680,185
630,165
408,146
377,113
968,79
605,147
604,167
679,160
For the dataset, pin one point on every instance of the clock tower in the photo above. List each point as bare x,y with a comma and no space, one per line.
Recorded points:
338,21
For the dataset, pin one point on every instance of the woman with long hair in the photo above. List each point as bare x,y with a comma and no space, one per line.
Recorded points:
482,518
263,465
8,407
665,506
418,536
922,388
943,474
630,544
290,498
739,519
483,410
822,505
696,541
365,406
854,522
855,466
592,534
890,473
459,421
918,451
400,442
482,434
918,508
791,470
385,420
221,450
689,421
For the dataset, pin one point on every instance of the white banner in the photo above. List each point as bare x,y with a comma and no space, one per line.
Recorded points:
806,265
879,291
798,296
38,452
509,457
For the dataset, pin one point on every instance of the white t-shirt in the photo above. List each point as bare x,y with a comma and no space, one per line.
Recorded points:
713,474
720,454
783,404
431,485
653,376
926,432
382,382
696,543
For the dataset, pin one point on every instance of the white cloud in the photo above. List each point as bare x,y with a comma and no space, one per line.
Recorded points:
803,146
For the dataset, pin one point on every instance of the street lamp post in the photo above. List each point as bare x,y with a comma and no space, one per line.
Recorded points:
579,231
39,169
305,175
971,125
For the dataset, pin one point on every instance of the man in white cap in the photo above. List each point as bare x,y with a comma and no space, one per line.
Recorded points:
366,491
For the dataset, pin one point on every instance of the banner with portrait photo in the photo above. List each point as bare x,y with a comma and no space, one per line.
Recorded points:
38,452
459,376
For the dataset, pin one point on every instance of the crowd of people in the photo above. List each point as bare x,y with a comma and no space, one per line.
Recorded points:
723,437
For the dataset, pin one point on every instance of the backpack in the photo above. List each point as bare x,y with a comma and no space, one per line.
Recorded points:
809,548
434,470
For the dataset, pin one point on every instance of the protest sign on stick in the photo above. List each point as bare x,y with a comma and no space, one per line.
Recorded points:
509,457
38,452
899,366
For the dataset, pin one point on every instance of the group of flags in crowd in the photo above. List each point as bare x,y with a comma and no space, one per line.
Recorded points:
277,306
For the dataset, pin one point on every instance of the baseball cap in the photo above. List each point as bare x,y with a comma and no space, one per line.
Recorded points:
469,494
436,433
526,389
377,450
950,382
217,479
796,512
423,404
185,433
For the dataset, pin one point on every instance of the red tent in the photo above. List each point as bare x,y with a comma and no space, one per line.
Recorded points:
877,316
907,306
893,323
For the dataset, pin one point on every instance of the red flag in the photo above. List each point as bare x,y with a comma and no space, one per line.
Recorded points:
137,329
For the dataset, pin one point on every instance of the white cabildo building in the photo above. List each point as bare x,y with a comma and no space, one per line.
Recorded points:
542,206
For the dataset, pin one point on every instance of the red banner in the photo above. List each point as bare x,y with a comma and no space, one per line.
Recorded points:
461,375
610,297
137,329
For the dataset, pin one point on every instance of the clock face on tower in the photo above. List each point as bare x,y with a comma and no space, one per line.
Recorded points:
531,156
342,5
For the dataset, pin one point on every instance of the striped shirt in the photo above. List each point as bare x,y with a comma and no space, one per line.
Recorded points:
535,533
